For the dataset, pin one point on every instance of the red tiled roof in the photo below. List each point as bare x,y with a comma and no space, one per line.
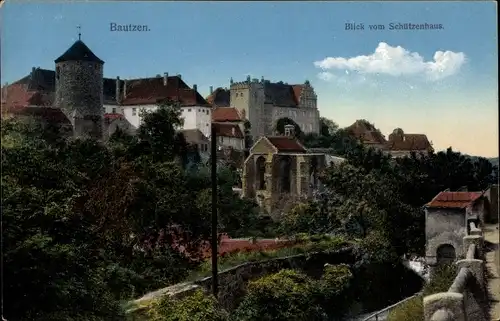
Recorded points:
454,199
17,96
152,90
297,91
409,142
286,144
220,97
223,114
228,130
366,132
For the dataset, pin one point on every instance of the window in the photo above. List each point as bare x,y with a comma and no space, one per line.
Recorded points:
206,124
189,110
113,111
207,112
134,111
58,71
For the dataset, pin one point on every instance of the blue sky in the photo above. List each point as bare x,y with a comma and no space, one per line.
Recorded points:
454,100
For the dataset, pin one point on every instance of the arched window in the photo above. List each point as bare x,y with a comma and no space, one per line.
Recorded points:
261,170
445,254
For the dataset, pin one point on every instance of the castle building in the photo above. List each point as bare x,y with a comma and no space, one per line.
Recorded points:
78,95
263,103
78,90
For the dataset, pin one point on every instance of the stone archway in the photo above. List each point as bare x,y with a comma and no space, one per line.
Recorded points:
446,254
285,169
260,166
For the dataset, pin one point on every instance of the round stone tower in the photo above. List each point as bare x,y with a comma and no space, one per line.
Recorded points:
79,90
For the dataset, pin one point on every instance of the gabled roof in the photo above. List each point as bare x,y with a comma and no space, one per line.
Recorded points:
219,98
79,52
458,200
409,142
225,114
366,132
285,144
18,96
228,130
149,91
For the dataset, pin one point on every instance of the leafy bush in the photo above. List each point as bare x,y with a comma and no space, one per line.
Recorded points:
284,296
290,295
195,307
413,309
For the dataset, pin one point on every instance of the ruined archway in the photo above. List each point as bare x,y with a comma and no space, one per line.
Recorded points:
445,254
285,173
260,165
313,172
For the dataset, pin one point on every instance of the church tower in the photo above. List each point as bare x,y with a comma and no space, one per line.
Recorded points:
79,89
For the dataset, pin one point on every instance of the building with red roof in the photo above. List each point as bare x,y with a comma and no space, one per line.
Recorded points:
447,221
263,103
280,171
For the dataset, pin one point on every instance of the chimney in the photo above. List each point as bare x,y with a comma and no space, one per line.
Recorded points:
195,87
211,90
124,88
289,130
262,79
231,81
179,75
165,78
118,91
248,78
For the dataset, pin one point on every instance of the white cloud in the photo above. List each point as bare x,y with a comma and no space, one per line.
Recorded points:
326,76
395,61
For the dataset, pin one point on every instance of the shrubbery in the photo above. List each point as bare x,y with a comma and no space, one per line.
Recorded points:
291,296
196,307
413,309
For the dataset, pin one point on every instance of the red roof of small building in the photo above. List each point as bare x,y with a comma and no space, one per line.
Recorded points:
228,130
225,114
286,144
409,142
454,199
366,132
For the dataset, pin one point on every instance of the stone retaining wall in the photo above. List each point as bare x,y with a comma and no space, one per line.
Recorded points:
466,299
233,281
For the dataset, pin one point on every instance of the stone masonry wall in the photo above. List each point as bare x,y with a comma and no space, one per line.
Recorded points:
79,85
444,227
233,282
467,298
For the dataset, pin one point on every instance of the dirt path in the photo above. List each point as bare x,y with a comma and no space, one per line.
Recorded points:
491,234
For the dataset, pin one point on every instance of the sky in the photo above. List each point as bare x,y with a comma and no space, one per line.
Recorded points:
441,82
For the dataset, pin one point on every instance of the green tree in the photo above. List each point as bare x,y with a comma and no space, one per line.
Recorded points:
282,122
327,126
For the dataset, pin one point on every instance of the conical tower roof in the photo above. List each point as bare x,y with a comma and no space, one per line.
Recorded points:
79,52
